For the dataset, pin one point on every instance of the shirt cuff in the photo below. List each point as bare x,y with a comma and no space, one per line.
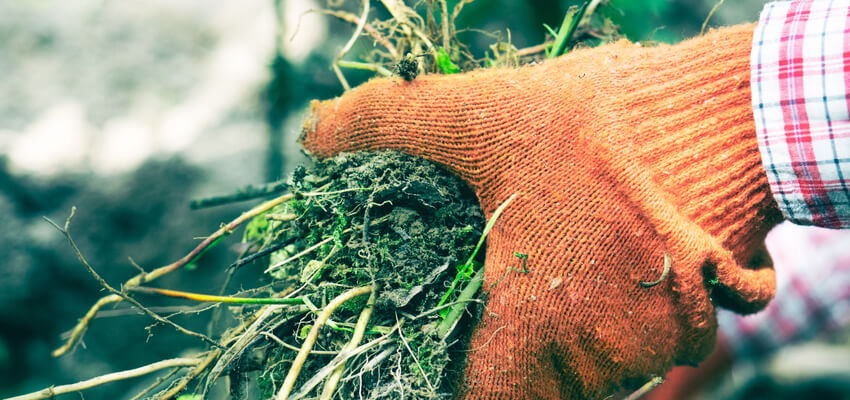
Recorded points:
800,77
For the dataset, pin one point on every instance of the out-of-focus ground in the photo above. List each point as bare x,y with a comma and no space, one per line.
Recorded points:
128,110
125,111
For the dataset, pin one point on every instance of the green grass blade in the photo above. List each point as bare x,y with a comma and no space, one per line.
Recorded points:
445,62
489,226
466,294
550,30
216,299
464,270
568,28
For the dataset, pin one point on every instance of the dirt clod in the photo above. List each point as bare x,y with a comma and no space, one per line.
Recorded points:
389,220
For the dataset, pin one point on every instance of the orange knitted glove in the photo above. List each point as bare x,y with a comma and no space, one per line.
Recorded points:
619,154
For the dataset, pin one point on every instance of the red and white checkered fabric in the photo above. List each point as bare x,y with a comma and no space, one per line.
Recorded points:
800,83
812,292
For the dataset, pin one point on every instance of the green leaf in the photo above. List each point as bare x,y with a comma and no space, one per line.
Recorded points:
550,30
310,270
339,227
305,330
256,228
190,397
445,62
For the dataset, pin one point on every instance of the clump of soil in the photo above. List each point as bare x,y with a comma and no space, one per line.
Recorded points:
397,223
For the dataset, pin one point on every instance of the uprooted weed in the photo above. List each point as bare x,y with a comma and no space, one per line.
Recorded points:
393,222
395,225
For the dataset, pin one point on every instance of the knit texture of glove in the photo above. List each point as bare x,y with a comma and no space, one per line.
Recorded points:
619,154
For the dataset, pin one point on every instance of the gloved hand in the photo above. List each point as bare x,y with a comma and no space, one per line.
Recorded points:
619,154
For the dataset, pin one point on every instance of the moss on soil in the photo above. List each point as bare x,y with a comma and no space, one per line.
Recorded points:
397,222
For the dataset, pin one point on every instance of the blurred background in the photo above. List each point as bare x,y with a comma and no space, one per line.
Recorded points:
127,111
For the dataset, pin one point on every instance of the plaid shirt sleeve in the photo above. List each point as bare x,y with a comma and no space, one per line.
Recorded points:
801,103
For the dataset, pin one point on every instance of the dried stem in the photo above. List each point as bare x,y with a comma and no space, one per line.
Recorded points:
171,393
156,384
365,66
668,264
121,295
340,358
708,17
100,380
81,326
349,17
300,254
444,24
291,347
645,388
323,317
350,43
246,193
359,331
527,51
262,253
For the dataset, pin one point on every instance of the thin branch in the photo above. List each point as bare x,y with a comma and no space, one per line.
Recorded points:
262,253
350,43
136,265
116,292
457,9
357,30
124,311
100,380
246,193
79,329
281,217
341,77
444,306
349,17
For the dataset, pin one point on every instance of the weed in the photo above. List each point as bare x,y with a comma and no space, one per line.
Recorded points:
398,235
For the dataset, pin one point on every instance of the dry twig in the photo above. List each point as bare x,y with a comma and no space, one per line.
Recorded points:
323,317
79,329
100,380
350,43
359,331
121,295
645,388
